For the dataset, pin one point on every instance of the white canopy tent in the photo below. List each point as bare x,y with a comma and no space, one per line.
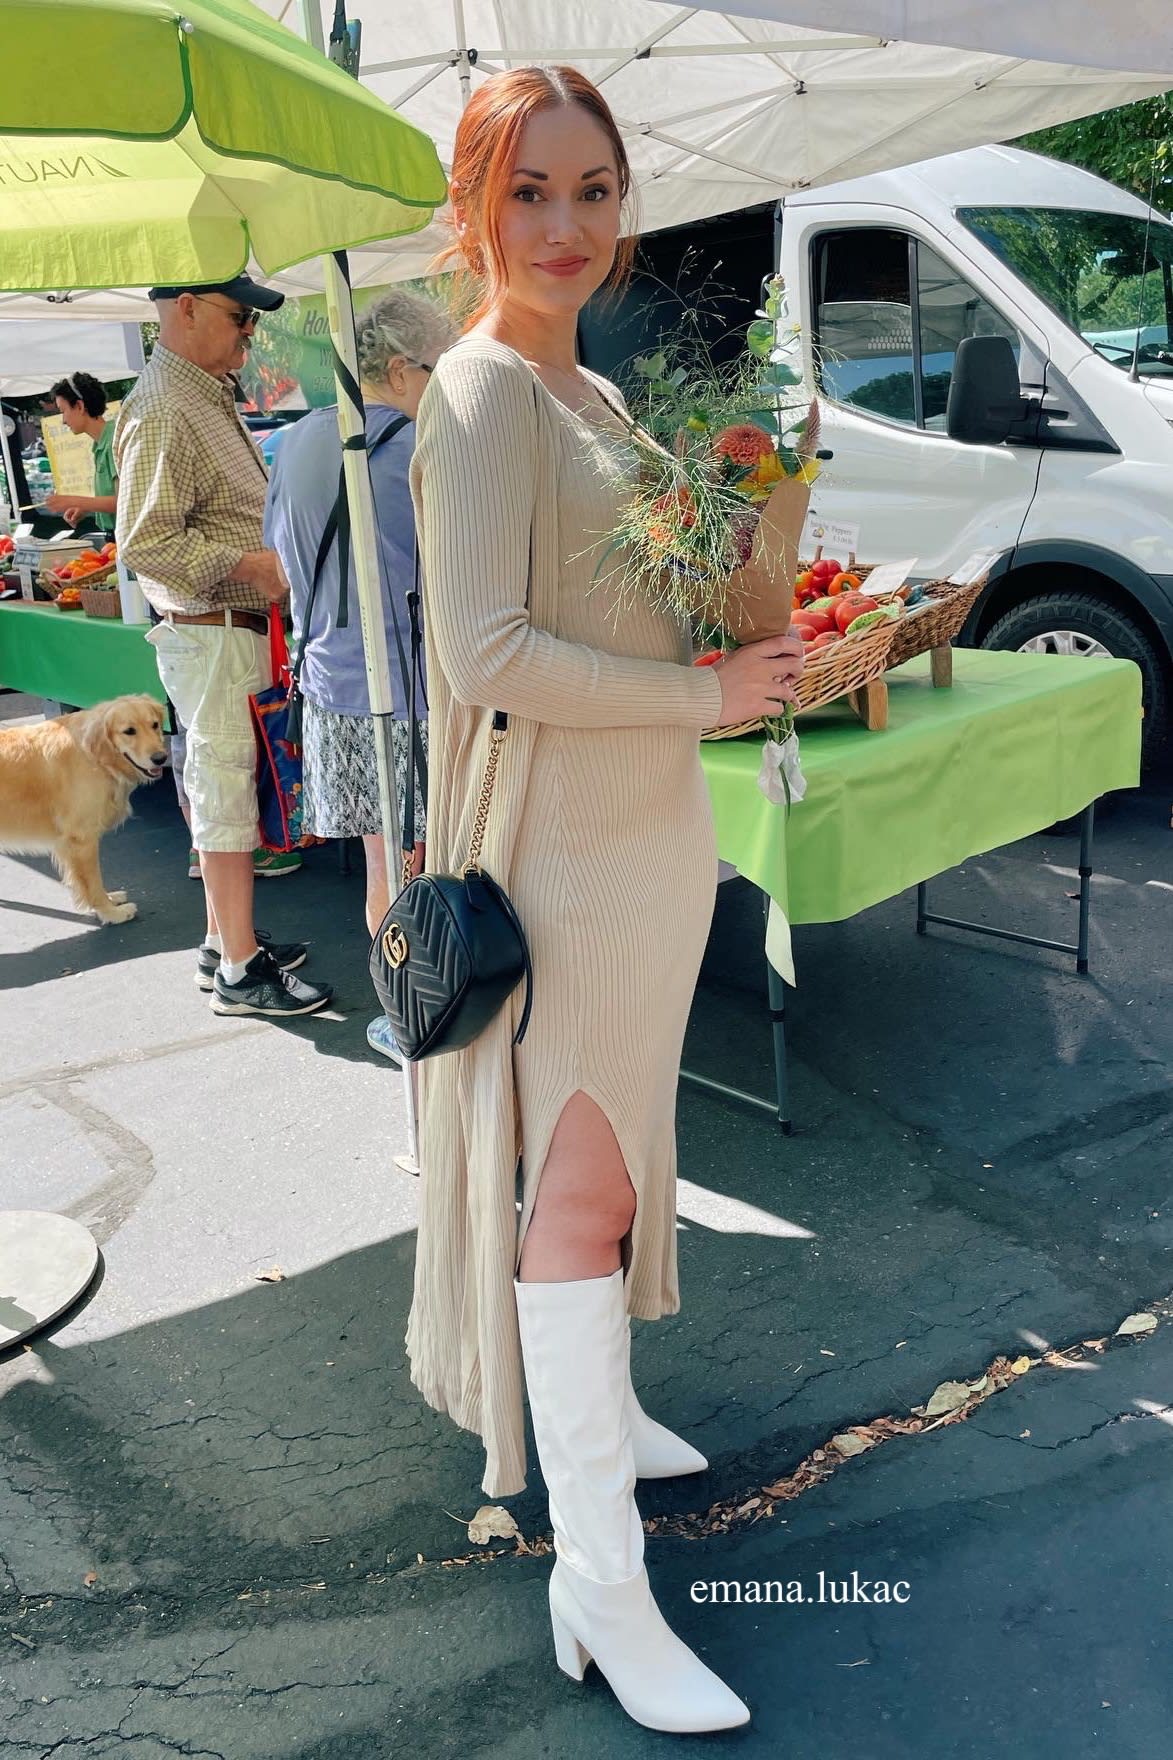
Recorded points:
720,111
1137,34
35,353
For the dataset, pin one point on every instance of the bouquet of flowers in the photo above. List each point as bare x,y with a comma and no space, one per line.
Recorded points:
726,462
727,458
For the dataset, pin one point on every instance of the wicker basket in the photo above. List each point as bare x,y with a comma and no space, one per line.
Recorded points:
67,607
831,673
94,578
101,602
935,621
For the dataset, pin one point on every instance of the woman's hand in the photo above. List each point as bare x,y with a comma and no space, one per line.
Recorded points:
759,680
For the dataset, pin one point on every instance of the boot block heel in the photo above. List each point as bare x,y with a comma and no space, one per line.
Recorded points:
569,1653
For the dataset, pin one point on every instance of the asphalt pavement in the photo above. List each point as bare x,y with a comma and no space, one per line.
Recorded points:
225,1516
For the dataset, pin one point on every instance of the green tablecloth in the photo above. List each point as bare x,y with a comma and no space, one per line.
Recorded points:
1019,741
74,658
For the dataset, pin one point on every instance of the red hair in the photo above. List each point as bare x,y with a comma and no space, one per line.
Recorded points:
487,143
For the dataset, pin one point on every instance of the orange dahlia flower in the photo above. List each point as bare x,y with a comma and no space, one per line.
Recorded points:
744,443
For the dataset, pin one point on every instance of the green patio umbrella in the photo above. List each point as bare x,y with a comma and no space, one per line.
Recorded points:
142,141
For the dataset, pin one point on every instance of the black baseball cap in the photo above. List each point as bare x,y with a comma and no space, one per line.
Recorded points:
242,288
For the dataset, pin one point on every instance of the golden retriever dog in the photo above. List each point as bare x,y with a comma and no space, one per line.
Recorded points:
65,783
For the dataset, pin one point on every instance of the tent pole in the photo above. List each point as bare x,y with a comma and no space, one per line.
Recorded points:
365,550
9,472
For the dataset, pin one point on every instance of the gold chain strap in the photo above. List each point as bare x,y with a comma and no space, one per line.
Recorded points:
496,739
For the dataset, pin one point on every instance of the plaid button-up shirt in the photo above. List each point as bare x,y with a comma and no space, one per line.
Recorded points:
191,488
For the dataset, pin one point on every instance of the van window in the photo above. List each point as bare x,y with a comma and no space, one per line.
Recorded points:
889,313
1109,276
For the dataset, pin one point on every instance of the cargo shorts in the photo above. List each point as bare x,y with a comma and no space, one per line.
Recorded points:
210,671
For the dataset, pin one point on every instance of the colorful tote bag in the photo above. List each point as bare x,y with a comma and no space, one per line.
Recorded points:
279,779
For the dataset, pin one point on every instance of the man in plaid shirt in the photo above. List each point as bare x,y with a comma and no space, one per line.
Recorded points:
191,501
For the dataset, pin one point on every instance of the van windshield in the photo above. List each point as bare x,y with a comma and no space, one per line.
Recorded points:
1097,271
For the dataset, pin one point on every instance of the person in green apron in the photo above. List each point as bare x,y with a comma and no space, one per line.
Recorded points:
81,402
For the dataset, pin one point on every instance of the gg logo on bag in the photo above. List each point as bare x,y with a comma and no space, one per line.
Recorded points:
395,946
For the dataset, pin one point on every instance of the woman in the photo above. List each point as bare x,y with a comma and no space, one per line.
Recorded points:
600,830
81,403
399,340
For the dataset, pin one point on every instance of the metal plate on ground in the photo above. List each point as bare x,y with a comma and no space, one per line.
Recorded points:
46,1261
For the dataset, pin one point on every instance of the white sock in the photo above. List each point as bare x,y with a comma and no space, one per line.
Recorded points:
232,970
213,941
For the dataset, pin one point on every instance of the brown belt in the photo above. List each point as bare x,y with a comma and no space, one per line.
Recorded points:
239,619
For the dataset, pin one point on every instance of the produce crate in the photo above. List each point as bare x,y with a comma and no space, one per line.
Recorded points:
930,627
853,668
101,602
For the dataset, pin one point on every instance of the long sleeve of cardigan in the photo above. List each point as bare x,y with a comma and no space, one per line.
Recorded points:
476,452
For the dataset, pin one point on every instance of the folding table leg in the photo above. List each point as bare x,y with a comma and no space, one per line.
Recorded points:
1087,823
777,991
1087,828
780,1104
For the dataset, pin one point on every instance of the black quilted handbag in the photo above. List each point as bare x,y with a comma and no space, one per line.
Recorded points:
450,951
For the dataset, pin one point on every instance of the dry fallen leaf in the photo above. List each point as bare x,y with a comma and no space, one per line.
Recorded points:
491,1522
849,1442
1136,1323
275,1275
90,1579
950,1396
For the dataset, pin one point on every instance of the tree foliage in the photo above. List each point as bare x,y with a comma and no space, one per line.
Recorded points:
1131,146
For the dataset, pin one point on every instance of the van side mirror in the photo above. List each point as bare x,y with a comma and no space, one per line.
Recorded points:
985,398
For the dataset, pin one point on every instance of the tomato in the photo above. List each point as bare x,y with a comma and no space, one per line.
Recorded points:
804,630
819,621
851,606
830,638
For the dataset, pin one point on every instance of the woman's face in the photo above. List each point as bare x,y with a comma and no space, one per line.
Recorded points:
72,414
559,223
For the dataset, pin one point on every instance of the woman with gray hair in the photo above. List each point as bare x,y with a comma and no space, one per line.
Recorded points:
399,337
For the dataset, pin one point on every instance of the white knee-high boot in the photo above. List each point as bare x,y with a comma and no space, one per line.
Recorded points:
574,1342
659,1452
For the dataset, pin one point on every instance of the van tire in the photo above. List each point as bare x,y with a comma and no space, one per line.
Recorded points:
1113,629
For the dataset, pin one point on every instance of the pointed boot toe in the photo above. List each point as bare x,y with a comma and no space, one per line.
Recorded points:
654,1675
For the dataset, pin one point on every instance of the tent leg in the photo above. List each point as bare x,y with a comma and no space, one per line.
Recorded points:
9,472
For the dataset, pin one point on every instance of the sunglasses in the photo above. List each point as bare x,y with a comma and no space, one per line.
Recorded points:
242,316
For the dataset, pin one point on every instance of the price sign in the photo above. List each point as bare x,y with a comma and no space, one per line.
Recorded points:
887,576
980,563
832,536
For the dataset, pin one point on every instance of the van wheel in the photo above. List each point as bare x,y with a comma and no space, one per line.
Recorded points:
1079,623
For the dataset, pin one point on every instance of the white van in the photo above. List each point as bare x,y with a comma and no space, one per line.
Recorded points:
991,333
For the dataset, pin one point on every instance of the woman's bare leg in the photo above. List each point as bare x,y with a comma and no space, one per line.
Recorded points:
585,1203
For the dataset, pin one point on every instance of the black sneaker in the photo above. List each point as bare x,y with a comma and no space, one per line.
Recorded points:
286,954
266,989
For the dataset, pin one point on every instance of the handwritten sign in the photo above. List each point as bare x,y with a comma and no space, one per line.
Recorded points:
887,576
830,535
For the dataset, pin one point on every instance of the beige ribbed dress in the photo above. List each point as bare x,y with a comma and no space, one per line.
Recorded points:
600,830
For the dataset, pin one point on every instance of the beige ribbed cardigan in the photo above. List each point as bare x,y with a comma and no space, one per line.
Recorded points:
600,831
